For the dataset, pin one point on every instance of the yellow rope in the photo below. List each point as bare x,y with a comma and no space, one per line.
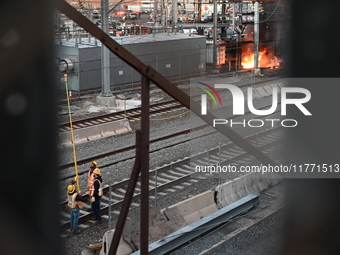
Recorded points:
72,135
161,118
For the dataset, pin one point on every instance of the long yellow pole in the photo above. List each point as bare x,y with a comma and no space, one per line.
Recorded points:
72,135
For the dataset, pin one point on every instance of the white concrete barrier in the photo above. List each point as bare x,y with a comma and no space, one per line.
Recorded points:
250,184
123,249
192,209
225,194
242,186
239,184
273,179
95,132
260,181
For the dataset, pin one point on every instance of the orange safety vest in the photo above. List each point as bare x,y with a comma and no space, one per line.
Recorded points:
73,203
90,179
100,190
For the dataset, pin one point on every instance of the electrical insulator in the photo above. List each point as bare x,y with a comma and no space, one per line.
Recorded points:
261,9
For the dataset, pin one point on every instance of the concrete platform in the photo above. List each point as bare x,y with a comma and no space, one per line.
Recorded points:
106,101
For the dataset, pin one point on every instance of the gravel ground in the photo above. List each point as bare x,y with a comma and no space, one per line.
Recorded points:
265,239
75,244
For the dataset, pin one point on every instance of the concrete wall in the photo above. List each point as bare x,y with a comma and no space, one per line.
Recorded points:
244,185
192,209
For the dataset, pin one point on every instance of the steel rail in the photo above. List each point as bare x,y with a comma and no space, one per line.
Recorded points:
132,147
125,149
85,217
133,113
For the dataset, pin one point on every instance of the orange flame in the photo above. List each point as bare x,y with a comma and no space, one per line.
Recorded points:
266,60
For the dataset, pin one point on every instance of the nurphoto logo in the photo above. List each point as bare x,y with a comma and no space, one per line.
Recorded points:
204,97
239,103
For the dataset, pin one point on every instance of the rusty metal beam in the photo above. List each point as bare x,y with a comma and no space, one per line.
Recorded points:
145,127
158,79
128,197
141,165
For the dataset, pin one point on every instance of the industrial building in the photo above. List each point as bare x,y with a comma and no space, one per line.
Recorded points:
171,54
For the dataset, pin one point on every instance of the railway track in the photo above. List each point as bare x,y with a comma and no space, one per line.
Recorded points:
132,147
157,108
170,177
174,176
130,113
134,113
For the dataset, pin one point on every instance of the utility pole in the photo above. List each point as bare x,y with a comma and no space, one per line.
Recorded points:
233,21
105,52
155,6
215,38
256,39
174,16
105,97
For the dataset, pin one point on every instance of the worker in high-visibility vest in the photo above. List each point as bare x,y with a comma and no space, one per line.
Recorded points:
75,203
96,192
90,177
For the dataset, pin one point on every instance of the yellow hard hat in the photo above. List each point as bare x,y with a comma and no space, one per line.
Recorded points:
71,188
97,171
95,163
